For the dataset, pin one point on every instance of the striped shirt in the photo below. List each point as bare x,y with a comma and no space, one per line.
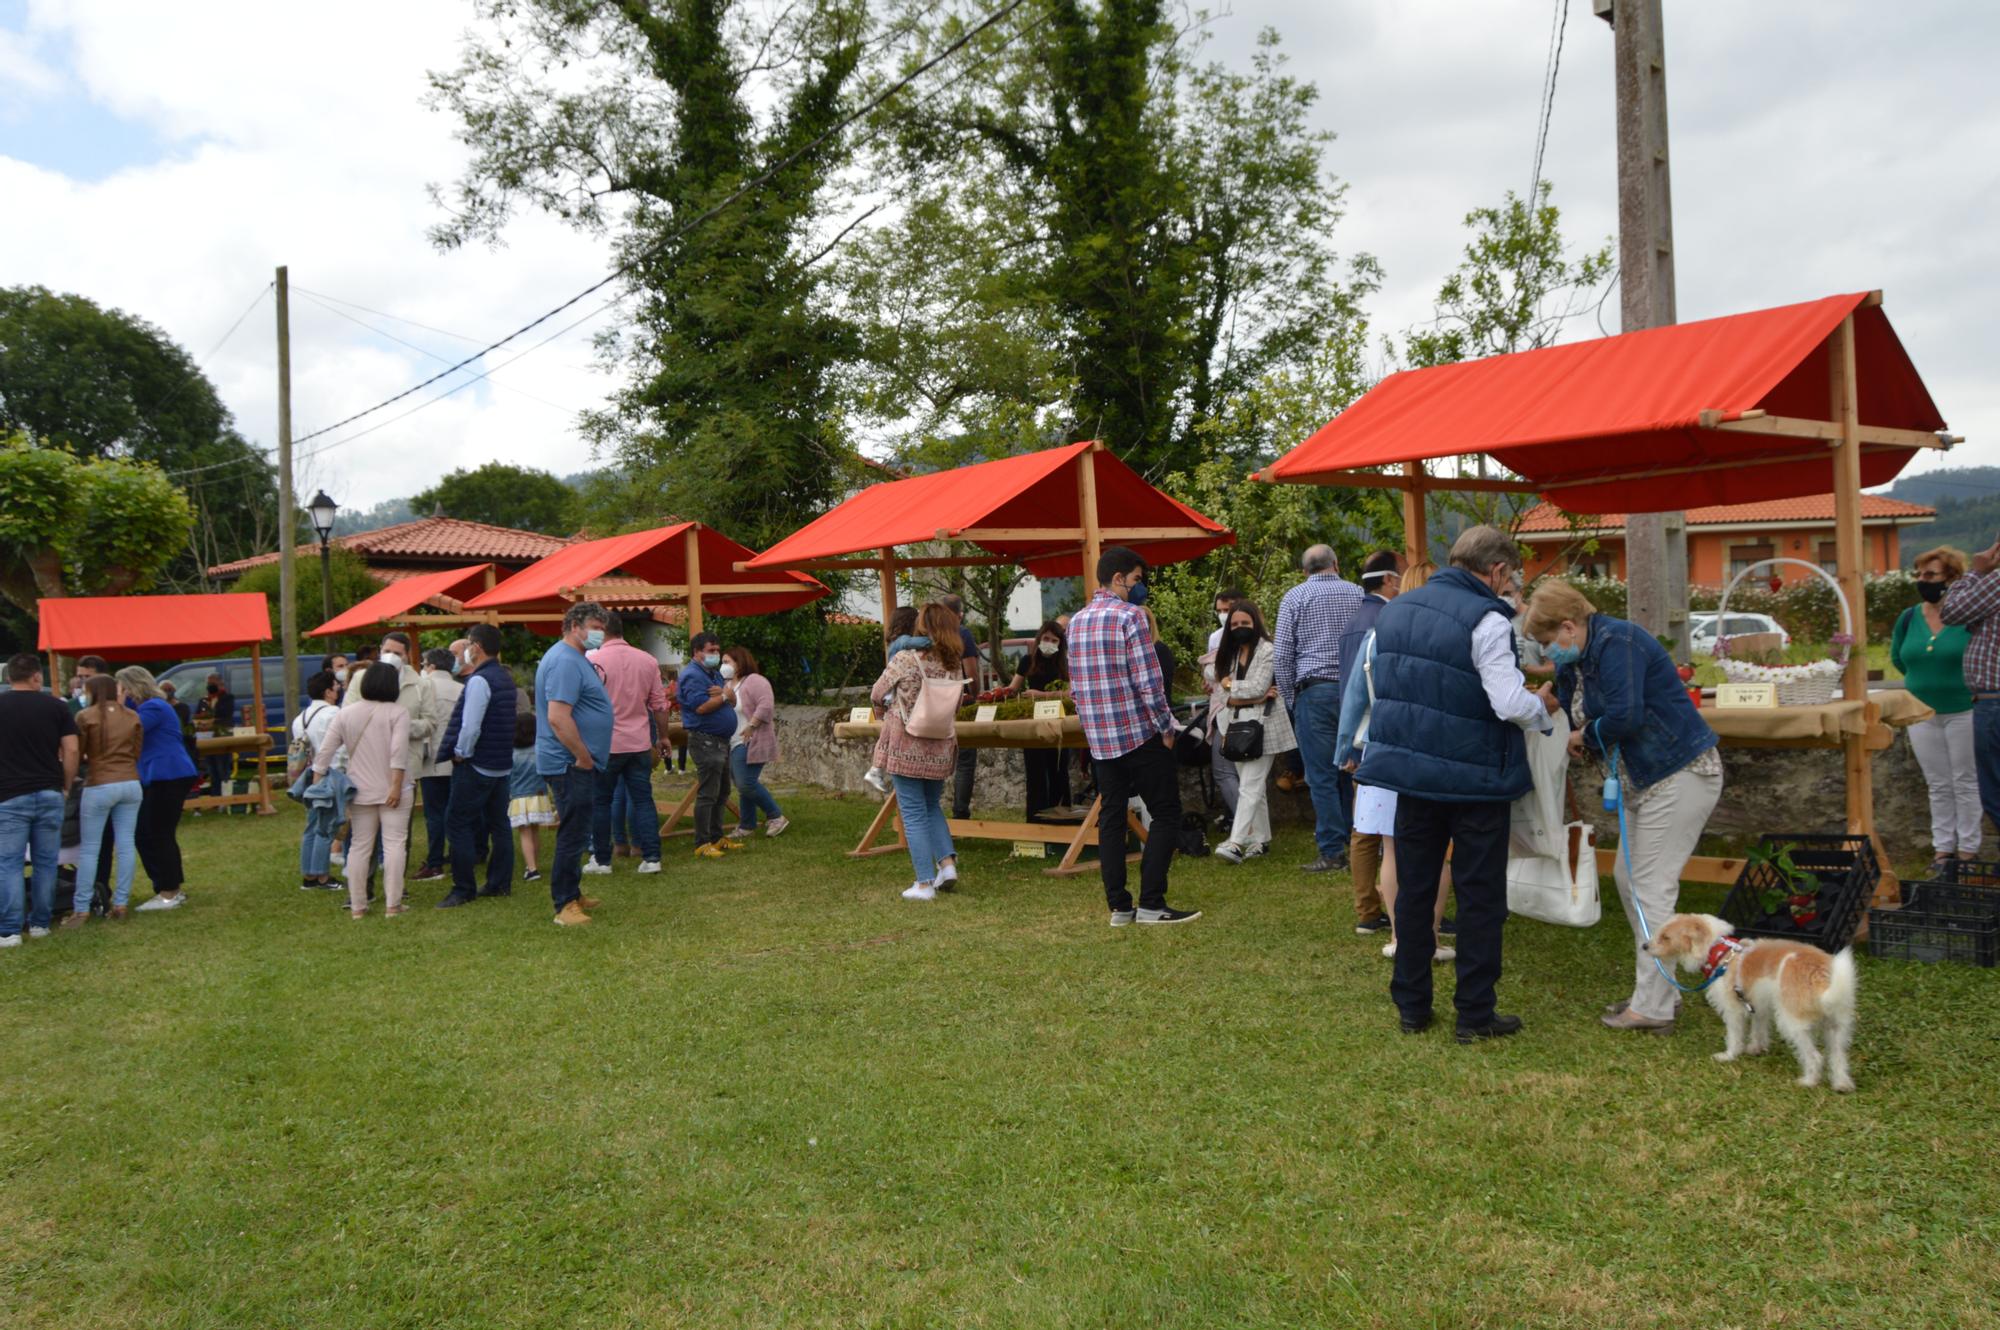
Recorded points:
1311,620
1115,678
1974,600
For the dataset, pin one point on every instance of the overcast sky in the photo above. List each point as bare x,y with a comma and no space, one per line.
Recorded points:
163,159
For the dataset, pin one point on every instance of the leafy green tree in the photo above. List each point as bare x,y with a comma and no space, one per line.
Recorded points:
352,583
77,527
635,120
513,496
104,383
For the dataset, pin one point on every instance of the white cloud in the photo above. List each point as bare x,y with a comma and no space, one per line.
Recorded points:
1819,146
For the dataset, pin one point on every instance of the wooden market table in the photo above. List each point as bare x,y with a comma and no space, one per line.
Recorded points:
1064,733
251,743
1850,724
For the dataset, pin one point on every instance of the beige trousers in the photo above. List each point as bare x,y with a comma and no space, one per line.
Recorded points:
1664,827
394,822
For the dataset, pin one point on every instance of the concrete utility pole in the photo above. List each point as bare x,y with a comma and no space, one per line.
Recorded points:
1655,543
288,612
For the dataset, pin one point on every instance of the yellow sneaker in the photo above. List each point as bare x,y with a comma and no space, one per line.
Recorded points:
713,851
572,915
728,844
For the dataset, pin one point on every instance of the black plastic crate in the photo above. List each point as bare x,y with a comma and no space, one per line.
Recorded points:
1847,873
1970,872
1914,933
1949,895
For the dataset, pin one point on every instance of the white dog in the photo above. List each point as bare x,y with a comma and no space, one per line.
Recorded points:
1800,987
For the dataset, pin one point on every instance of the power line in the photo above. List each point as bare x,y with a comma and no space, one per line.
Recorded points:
385,314
755,182
1548,101
195,373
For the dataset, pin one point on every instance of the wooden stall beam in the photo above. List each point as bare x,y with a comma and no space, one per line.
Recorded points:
1379,480
1416,530
609,591
1580,482
1086,507
887,571
257,710
1125,533
693,538
1829,431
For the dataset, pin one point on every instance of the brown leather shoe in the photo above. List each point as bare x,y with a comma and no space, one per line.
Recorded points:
118,913
572,915
589,902
74,920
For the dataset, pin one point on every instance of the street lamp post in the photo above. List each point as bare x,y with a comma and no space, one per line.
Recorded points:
323,511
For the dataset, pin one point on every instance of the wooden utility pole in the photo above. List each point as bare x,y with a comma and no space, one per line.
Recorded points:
1655,543
288,612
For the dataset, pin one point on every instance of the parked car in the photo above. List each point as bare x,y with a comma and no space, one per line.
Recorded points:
190,681
1702,629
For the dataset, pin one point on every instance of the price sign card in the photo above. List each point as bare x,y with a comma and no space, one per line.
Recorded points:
1029,849
1048,710
986,713
1746,695
860,716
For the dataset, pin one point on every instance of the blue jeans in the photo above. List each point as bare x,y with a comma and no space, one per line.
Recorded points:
1986,754
437,819
574,794
923,824
29,823
630,774
322,821
479,814
750,792
117,803
1316,720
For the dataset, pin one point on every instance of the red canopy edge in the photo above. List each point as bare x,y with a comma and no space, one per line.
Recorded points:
400,597
1035,493
1627,423
657,558
154,627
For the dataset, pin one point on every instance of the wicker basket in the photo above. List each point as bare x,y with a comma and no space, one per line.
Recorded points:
1810,685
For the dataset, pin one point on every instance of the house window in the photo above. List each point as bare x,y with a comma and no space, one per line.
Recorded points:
1829,556
1742,556
1591,565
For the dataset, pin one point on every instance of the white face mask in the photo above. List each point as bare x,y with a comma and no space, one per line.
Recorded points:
340,676
1048,648
392,658
466,656
1222,619
728,669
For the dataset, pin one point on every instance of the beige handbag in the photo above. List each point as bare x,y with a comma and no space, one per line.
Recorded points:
936,710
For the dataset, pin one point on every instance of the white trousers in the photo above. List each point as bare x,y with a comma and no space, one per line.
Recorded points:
1664,828
1943,745
1253,804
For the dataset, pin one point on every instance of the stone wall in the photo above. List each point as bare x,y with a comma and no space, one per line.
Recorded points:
1764,790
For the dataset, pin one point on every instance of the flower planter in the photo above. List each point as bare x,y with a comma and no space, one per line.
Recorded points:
1847,872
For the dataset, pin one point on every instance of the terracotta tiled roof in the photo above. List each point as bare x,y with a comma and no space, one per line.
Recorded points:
444,538
1547,519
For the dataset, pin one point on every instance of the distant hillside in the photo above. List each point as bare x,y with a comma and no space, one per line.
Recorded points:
1968,504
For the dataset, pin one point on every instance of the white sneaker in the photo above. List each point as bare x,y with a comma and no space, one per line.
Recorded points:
162,902
920,891
777,826
11,940
595,869
872,778
648,866
1229,852
947,876
1389,948
38,932
1444,954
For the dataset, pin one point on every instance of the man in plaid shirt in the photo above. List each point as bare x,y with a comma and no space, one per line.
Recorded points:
1974,600
1121,699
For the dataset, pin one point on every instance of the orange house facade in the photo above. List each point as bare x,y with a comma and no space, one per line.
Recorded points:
1722,541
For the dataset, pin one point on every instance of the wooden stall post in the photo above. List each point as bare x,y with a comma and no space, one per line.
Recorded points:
694,579
1086,509
1416,531
888,594
261,755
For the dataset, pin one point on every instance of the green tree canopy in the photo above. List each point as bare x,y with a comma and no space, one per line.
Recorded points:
514,496
74,526
104,383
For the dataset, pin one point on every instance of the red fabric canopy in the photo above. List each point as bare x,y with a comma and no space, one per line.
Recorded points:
154,627
1633,402
403,595
1035,491
658,557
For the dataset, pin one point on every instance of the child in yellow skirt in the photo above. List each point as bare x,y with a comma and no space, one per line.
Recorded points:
529,806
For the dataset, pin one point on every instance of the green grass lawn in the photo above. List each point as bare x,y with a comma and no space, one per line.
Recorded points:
769,1092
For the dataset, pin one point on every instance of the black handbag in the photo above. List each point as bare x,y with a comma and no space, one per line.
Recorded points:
1244,740
1191,746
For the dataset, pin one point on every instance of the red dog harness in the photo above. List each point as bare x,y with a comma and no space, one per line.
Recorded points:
1719,956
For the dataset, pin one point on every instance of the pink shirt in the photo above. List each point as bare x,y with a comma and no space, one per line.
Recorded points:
377,738
632,678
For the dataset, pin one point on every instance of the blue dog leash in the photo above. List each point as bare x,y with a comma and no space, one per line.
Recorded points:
1614,798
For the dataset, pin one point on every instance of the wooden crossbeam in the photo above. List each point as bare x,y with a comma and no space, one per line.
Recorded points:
1376,480
1581,481
657,591
1076,534
1758,422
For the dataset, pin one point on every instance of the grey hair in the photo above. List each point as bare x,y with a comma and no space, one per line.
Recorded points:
1319,559
1478,548
139,682
584,611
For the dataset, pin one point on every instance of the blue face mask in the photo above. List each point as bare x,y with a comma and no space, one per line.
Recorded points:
711,660
593,639
1562,657
1135,594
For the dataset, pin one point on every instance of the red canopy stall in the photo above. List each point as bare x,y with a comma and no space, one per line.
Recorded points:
1801,399
131,628
1051,512
396,604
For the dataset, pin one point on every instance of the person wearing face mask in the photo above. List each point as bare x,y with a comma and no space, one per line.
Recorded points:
1043,667
632,680
573,725
1128,722
1312,618
708,714
1381,579
1445,733
755,745
1243,693
336,665
1669,769
434,782
1220,769
220,707
1930,653
418,700
480,739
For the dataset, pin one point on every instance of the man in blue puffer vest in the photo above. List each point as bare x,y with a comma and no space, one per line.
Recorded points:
1446,735
480,742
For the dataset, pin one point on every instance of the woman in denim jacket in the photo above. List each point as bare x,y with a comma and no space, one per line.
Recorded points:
1634,703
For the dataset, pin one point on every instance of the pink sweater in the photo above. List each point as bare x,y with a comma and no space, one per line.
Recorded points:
754,701
377,738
